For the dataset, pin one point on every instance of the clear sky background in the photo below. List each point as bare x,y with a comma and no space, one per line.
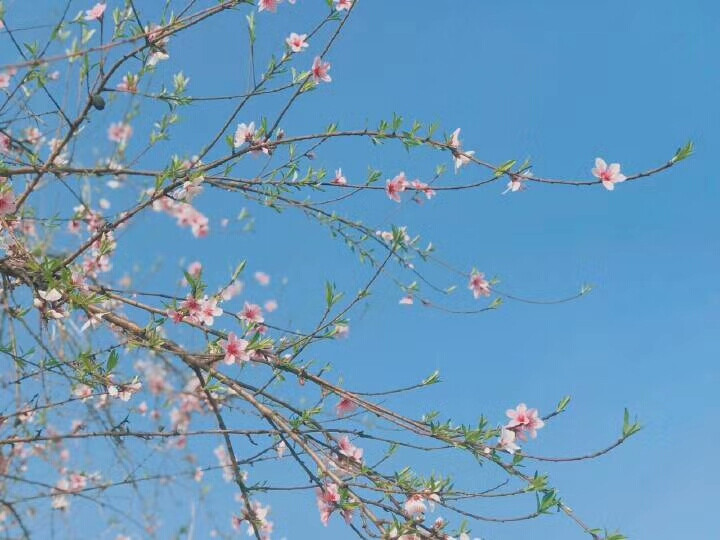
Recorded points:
561,83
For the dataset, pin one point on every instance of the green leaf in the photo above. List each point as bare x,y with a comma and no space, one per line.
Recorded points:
683,152
538,483
548,502
251,26
239,270
432,379
505,167
112,361
331,296
496,303
87,35
396,122
630,428
563,404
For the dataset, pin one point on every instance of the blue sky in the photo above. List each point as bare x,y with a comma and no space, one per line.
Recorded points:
559,83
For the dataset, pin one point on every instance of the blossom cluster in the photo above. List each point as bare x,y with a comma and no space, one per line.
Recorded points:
396,186
185,213
523,421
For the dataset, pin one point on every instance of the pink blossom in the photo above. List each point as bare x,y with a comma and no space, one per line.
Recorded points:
175,316
128,84
461,158
345,406
154,33
425,188
156,56
320,70
328,498
394,187
158,382
82,391
431,498
349,450
209,310
4,80
507,441
244,134
26,416
455,140
60,502
388,235
195,269
180,419
479,285
407,300
235,349
78,280
339,179
232,290
61,158
94,265
120,132
524,420
517,182
190,189
7,203
415,505
258,514
192,306
5,143
96,12
77,482
270,306
297,42
199,224
33,135
342,330
127,390
156,376
28,227
57,313
341,5
95,223
252,313
268,5
186,215
347,515
608,174
93,321
180,443
224,462
262,278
